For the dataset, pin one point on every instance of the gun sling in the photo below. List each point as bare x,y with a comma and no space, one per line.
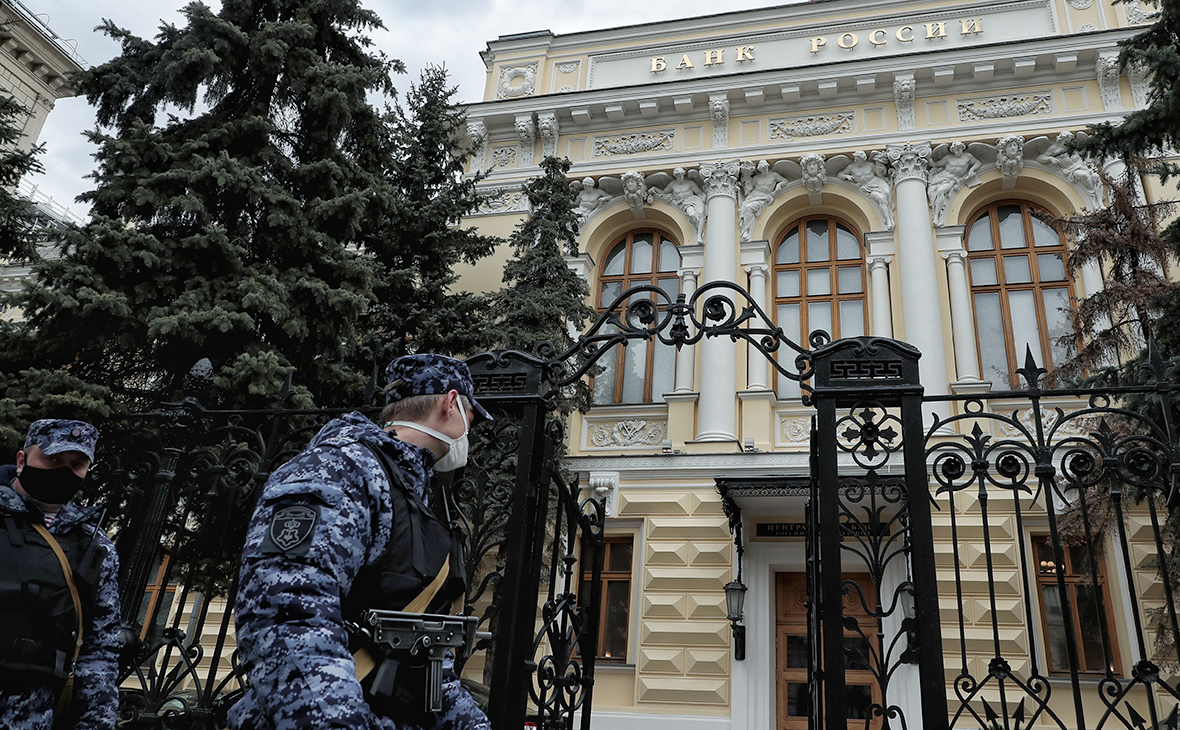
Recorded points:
67,691
363,659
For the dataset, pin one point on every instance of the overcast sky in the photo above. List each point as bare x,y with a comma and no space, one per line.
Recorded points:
419,32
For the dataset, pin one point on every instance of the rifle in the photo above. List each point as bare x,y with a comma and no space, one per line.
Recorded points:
422,636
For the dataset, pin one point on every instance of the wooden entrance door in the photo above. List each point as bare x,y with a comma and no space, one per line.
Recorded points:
793,654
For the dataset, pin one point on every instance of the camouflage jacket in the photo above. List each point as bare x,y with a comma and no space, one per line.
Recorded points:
95,698
336,519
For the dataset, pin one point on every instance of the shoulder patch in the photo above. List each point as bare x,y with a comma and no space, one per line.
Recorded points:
290,529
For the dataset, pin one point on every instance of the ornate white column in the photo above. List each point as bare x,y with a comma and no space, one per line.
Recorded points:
754,261
686,358
882,322
920,306
950,244
717,419
879,253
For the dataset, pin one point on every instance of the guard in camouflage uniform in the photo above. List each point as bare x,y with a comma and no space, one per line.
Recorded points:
334,534
38,623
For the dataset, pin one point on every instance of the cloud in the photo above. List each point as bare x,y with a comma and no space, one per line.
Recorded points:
418,32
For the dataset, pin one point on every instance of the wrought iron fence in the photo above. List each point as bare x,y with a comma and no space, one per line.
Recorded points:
180,483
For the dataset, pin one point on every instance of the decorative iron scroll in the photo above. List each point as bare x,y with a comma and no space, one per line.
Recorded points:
647,312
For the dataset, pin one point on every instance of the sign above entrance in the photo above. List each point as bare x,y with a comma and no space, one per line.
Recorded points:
826,43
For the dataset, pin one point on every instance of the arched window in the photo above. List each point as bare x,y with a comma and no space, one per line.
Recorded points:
1020,289
819,284
641,371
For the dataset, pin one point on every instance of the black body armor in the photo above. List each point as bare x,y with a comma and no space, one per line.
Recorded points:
37,618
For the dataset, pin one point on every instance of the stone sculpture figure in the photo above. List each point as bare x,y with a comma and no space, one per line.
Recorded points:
760,188
590,198
688,197
635,192
864,175
1072,166
948,175
814,173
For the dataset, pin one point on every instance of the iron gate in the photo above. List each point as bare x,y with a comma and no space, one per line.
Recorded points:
972,521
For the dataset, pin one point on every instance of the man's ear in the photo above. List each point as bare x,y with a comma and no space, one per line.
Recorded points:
20,459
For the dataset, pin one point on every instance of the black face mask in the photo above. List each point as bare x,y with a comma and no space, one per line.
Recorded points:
50,486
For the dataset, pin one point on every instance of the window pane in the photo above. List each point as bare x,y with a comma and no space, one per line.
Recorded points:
979,238
1011,226
641,254
669,256
798,699
670,287
851,280
614,262
788,284
620,557
788,250
1025,330
1057,317
618,596
990,328
1055,629
1051,267
1016,270
847,247
610,290
797,652
818,247
1090,616
819,282
787,317
983,271
1043,234
859,697
604,382
852,319
634,371
819,317
663,375
856,653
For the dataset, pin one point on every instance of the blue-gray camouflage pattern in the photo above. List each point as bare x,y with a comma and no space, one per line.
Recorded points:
430,374
290,631
55,435
96,698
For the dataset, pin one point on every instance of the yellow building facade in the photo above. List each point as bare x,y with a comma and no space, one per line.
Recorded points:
864,168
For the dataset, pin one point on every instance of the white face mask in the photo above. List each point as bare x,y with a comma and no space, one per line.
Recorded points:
456,457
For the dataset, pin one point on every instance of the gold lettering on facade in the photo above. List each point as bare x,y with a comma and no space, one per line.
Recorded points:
684,63
745,53
658,64
816,43
971,26
877,37
903,29
715,58
851,43
936,30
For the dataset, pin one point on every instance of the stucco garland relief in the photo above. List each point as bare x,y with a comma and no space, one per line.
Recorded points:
794,430
1081,4
1087,28
1136,14
815,125
496,201
504,156
568,68
999,107
508,88
630,432
631,144
1107,70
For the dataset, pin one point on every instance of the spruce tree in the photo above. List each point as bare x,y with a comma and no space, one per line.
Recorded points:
543,298
18,234
239,160
415,238
1117,321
